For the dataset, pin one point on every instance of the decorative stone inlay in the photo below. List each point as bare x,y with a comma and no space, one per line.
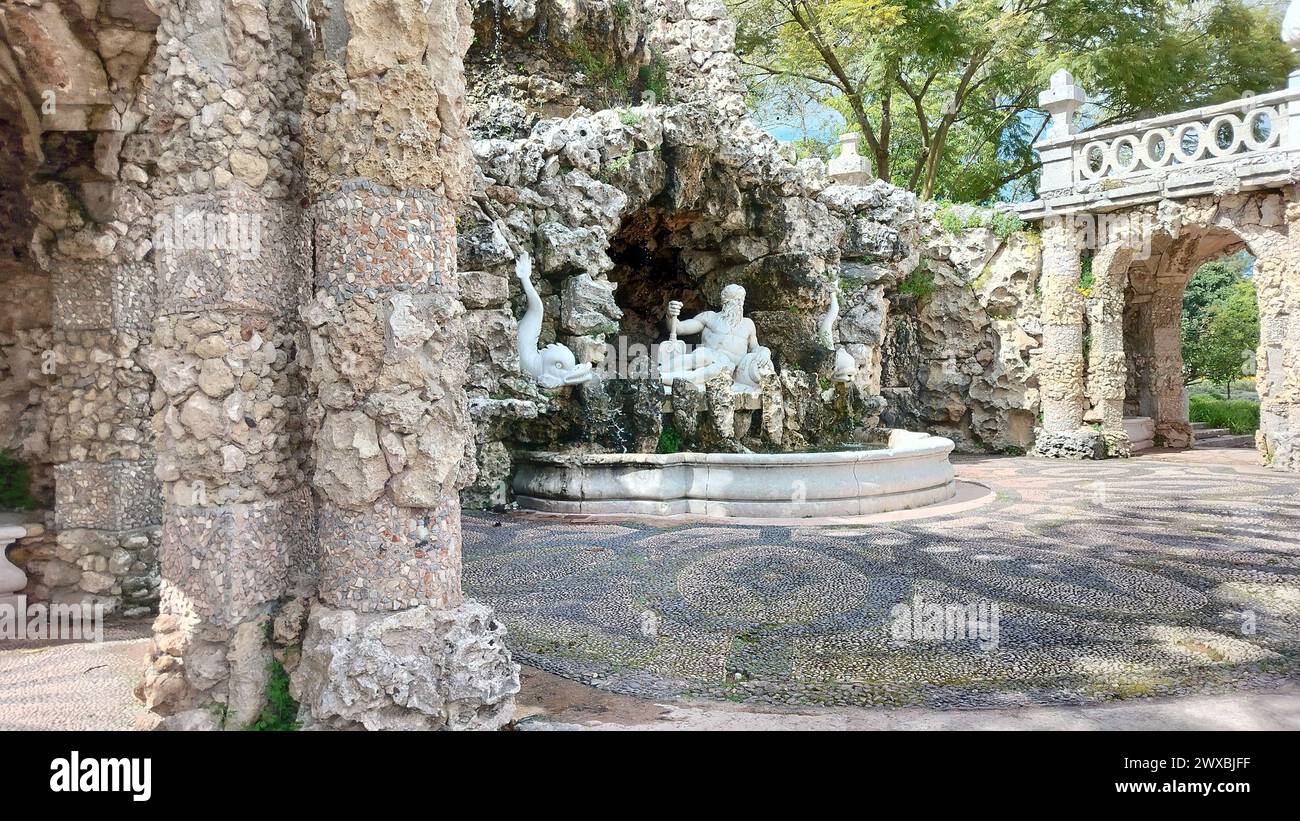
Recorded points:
225,564
777,585
372,238
390,557
106,495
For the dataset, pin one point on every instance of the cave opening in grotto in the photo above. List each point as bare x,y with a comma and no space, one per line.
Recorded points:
651,269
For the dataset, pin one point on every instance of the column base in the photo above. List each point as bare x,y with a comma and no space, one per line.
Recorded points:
1084,443
1174,434
419,669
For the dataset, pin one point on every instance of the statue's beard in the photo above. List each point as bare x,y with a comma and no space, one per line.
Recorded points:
733,312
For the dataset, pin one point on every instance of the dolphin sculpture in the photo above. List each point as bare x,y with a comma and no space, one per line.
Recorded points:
845,365
555,365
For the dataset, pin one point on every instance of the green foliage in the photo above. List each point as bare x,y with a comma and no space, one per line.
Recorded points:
955,219
653,77
1219,336
622,10
1086,277
945,92
1237,415
670,441
919,283
812,148
1210,284
612,170
1005,224
280,712
602,72
629,117
15,484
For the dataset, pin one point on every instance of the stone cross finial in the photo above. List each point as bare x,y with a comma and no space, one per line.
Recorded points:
1061,100
850,167
1291,25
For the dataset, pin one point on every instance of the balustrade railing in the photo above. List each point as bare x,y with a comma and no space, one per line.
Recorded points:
1202,135
1258,136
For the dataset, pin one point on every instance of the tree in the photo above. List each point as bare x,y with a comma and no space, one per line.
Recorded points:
1212,283
1230,333
943,91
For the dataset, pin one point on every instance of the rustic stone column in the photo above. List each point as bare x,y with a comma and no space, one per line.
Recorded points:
230,262
1277,282
1167,381
107,508
388,162
1107,368
1061,363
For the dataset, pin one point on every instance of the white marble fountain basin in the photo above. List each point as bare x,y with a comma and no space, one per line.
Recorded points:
912,471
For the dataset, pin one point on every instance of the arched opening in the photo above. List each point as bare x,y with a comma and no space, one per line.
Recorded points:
1220,335
1172,294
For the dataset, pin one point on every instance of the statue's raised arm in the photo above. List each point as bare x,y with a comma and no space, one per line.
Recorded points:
686,327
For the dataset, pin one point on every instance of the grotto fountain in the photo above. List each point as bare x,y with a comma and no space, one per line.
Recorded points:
714,393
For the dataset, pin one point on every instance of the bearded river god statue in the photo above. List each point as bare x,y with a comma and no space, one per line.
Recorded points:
728,344
555,365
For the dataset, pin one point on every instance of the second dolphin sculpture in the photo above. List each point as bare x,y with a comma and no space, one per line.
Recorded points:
846,367
555,365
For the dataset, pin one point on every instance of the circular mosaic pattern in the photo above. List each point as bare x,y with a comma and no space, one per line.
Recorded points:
773,585
1082,582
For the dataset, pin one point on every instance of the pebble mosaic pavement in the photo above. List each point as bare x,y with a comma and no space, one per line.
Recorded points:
1159,575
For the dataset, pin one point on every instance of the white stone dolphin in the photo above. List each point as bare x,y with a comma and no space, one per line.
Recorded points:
555,365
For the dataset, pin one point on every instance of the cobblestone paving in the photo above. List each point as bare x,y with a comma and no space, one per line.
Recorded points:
75,685
1159,575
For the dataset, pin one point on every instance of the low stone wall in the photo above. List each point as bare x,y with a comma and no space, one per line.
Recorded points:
117,569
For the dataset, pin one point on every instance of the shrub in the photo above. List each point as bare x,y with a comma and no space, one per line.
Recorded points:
280,713
670,441
1005,224
957,218
1237,415
653,77
15,484
919,283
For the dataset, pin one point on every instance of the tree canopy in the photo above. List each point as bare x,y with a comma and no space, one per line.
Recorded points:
944,91
1220,322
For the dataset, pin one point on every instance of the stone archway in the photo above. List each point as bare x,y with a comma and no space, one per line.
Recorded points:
1113,345
1152,306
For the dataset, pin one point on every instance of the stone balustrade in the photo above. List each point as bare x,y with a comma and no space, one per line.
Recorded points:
1246,144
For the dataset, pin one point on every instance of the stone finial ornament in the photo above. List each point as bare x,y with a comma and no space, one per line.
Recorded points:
1061,100
728,344
555,365
850,167
1291,25
846,367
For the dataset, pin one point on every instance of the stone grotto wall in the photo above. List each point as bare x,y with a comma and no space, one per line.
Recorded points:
230,255
78,227
963,332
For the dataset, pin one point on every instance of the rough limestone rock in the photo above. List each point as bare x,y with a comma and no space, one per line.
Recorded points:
417,669
961,335
1081,444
